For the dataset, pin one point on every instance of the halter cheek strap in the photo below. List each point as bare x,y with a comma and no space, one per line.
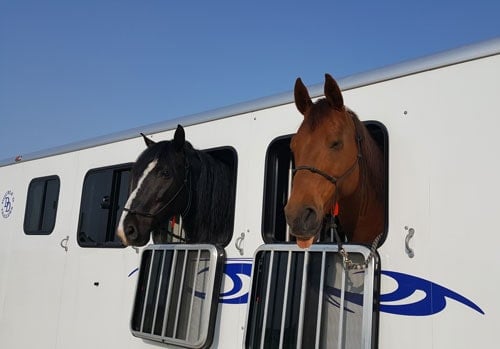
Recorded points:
331,179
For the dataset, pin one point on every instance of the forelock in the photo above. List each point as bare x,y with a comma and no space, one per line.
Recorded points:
317,113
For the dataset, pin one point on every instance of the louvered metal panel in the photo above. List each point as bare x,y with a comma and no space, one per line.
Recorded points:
177,294
307,299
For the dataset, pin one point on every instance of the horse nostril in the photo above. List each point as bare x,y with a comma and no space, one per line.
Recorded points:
130,232
309,218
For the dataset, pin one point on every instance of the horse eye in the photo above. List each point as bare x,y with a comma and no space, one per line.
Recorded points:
165,173
337,145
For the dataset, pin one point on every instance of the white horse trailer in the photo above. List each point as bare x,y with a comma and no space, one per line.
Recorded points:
67,282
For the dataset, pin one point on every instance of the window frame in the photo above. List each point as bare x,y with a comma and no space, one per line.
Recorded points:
114,209
42,205
229,156
273,217
273,220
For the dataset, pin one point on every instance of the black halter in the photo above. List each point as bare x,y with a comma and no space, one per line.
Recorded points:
187,180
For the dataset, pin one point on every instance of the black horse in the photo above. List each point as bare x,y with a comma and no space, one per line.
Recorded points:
172,178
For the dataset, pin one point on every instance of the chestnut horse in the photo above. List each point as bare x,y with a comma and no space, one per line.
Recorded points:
337,162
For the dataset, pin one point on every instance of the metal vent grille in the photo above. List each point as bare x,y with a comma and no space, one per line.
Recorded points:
177,294
306,299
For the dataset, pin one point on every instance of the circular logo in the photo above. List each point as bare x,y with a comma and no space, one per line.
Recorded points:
7,204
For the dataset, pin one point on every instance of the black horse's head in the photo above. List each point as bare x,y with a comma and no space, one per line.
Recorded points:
159,189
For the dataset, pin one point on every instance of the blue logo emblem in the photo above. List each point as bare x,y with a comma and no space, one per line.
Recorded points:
239,275
7,204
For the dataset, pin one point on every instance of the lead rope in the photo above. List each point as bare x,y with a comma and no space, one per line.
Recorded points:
347,262
350,265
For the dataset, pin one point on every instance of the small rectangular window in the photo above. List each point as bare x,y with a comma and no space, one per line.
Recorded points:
105,192
41,205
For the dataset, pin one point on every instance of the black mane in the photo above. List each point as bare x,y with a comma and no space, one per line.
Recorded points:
209,218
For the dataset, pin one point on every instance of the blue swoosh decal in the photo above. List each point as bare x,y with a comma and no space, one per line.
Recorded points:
433,302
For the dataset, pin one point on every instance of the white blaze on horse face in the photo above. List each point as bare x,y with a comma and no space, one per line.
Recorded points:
120,232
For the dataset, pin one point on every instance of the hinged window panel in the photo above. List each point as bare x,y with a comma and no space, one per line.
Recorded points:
177,294
306,299
41,205
104,194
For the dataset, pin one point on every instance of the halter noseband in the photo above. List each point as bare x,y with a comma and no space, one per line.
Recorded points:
187,178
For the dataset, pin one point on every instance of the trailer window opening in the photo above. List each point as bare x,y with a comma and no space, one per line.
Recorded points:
277,184
104,194
41,205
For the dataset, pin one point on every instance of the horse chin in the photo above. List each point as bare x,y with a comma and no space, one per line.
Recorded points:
138,242
305,242
305,238
159,237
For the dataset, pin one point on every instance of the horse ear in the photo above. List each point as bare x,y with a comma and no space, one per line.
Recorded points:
149,142
302,99
332,93
179,138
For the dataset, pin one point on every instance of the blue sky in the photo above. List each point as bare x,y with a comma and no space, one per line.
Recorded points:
72,70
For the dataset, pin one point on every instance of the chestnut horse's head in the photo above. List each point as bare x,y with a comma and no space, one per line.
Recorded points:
326,150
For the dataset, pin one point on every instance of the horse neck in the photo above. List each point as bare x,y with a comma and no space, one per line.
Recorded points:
361,216
362,213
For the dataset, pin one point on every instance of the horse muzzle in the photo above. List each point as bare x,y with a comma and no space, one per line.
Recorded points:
305,224
130,233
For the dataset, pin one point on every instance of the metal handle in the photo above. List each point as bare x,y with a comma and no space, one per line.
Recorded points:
64,243
238,243
409,251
